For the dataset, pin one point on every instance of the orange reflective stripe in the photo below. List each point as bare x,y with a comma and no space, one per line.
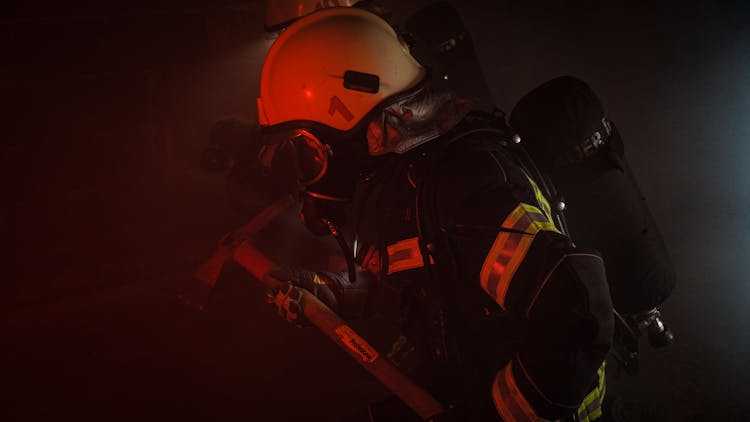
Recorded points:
405,255
509,401
509,249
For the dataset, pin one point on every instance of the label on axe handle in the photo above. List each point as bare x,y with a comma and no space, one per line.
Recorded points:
357,344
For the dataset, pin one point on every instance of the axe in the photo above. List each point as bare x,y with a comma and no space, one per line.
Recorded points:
336,329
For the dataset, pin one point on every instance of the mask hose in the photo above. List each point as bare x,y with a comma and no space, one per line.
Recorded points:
336,233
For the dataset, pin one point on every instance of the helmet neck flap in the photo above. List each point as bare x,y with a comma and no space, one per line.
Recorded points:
414,120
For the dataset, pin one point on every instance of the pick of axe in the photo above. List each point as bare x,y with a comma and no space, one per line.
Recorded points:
336,329
209,271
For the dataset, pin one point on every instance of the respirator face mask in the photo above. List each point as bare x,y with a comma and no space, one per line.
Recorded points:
300,151
326,169
327,162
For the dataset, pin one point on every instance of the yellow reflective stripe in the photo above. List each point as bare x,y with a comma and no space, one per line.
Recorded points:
540,224
591,408
509,401
509,249
405,255
543,203
596,414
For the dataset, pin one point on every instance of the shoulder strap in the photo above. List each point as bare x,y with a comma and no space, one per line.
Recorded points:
429,231
442,270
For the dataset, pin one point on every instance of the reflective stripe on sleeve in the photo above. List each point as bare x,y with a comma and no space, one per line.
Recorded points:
405,255
540,199
509,249
591,407
509,401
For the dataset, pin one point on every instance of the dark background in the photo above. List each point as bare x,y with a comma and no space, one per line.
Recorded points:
105,109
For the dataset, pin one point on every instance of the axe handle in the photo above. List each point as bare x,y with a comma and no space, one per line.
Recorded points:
336,329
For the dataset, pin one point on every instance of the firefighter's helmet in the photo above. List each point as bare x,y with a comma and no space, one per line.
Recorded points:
333,67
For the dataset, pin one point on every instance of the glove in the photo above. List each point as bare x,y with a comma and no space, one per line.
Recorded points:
288,303
287,300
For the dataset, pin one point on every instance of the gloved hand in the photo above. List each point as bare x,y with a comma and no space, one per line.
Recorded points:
287,300
288,303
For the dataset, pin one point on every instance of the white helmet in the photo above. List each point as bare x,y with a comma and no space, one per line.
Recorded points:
333,67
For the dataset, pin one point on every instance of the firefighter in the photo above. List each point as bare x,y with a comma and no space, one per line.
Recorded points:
499,316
